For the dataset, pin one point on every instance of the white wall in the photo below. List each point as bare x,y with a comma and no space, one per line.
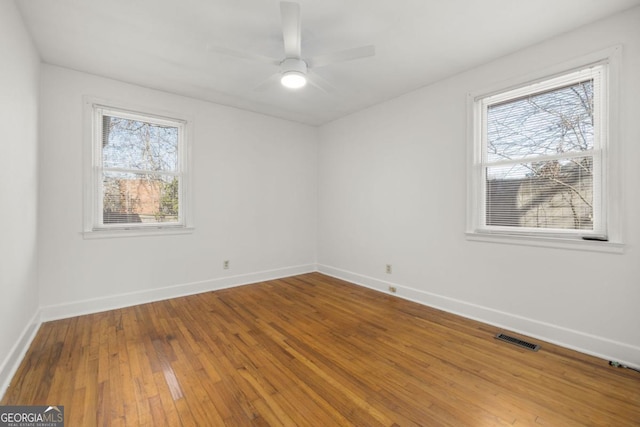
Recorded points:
255,200
18,188
392,190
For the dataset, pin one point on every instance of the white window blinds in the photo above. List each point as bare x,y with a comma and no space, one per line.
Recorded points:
541,156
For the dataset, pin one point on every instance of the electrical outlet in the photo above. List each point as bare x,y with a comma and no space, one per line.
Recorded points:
388,268
392,289
225,264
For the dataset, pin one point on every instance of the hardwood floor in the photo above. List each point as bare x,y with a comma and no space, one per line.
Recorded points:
310,350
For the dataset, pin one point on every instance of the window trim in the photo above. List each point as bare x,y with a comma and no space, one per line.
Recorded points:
610,157
93,228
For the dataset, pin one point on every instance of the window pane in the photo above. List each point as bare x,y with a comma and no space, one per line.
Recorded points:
555,194
548,123
133,144
139,198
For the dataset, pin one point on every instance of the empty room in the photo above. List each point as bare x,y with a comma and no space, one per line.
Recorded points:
319,213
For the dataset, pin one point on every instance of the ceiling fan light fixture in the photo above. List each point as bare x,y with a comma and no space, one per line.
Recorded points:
293,73
293,79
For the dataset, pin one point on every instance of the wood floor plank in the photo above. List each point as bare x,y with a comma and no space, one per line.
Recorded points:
310,350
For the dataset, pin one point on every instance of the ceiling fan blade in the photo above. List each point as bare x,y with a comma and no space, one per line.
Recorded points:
269,82
318,82
291,30
342,56
242,55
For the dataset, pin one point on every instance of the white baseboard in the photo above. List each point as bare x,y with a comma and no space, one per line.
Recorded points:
597,346
12,362
96,305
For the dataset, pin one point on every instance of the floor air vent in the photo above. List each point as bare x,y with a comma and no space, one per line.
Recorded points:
518,342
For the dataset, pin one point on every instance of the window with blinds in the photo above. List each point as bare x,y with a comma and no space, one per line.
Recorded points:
539,162
138,170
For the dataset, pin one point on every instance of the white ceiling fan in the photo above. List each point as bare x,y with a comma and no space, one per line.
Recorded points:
294,69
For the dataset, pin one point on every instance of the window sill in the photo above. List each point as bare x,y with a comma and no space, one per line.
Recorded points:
548,242
136,232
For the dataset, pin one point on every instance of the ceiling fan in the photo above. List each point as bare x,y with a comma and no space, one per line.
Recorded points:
294,69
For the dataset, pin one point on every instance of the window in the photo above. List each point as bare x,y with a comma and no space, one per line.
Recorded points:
138,177
539,163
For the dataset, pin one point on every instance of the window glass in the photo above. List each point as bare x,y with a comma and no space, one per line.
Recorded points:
540,168
138,170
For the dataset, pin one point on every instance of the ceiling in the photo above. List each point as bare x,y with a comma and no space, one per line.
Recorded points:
174,45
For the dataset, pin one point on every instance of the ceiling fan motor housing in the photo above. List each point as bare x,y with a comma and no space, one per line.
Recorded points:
293,64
